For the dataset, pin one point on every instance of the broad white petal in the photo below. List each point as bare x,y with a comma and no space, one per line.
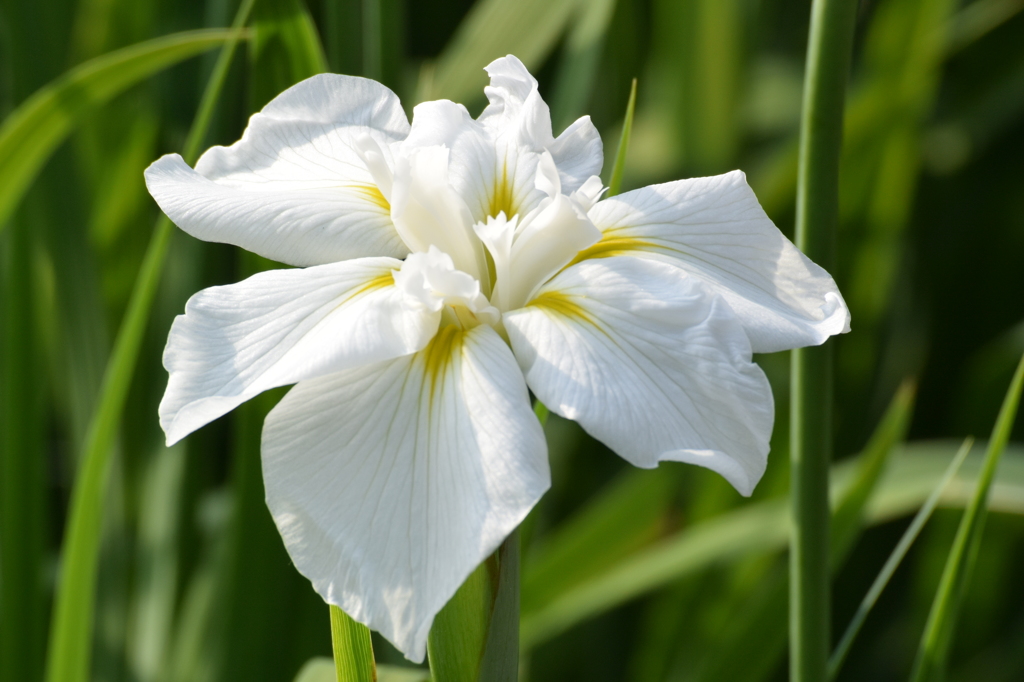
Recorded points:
716,230
295,188
518,114
280,327
390,483
649,362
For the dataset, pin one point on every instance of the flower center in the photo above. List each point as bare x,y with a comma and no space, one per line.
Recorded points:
429,280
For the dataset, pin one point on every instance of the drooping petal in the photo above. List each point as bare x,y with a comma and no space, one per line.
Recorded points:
390,483
518,116
649,362
296,187
280,327
716,230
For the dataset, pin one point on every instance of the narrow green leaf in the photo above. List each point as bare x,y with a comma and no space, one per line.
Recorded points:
930,663
835,662
528,29
69,650
353,651
762,527
475,637
31,133
580,61
458,636
624,517
615,182
501,652
848,515
976,20
284,49
767,617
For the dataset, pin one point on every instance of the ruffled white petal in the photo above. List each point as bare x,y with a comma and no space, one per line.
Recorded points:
296,187
390,483
517,112
649,362
280,327
427,211
716,230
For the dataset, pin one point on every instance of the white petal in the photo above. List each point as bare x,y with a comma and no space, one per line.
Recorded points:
547,240
279,327
715,229
518,113
427,211
391,483
472,163
579,153
650,363
295,188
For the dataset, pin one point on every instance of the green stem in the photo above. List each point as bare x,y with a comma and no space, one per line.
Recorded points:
71,631
828,63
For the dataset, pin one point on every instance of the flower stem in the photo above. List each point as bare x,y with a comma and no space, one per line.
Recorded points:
817,214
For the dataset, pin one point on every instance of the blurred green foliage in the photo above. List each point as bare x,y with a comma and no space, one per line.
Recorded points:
194,583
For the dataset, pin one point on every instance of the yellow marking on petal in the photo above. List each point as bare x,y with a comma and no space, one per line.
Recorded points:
558,302
611,245
439,353
502,198
373,194
379,282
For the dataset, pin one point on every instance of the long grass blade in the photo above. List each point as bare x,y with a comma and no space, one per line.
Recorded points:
835,662
32,132
69,650
766,618
615,182
764,527
930,663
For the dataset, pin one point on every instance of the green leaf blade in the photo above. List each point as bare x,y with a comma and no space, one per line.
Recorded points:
32,132
615,182
68,657
353,651
930,663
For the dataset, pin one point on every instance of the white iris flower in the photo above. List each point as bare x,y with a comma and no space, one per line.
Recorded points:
444,268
